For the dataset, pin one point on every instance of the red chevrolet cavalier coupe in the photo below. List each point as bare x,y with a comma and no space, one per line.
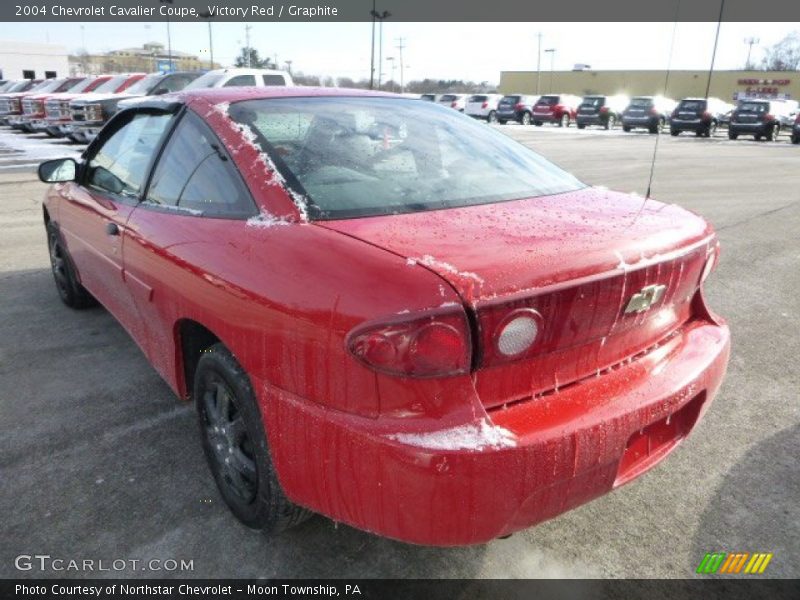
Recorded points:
386,312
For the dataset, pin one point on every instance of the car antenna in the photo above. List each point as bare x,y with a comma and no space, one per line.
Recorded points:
666,85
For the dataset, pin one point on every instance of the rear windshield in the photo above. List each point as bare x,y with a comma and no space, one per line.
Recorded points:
357,157
593,101
478,98
642,102
112,84
510,99
692,105
448,98
548,100
754,107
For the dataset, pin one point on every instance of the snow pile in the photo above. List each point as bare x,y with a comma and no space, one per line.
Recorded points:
431,262
265,220
474,436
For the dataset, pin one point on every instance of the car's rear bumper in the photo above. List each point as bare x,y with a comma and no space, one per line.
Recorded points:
749,128
589,120
648,121
688,125
448,485
545,118
509,116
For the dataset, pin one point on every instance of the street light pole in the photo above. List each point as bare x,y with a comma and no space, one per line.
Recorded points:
552,52
381,16
750,41
208,16
539,65
391,60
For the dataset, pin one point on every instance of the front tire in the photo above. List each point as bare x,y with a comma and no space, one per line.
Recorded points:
71,292
235,444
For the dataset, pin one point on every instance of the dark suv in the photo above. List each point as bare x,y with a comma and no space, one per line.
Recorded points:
759,118
700,115
599,110
647,112
515,107
796,130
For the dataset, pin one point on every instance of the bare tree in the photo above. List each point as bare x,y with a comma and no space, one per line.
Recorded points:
784,55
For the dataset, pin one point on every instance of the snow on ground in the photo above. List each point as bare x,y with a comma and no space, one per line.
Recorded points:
25,151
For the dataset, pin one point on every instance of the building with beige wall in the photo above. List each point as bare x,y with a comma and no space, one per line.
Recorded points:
151,57
727,85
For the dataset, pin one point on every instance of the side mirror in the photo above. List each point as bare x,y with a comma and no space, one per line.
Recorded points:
58,170
159,91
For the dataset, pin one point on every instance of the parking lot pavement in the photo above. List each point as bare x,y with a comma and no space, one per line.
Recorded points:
99,461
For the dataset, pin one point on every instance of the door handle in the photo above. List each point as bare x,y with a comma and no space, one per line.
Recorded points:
112,229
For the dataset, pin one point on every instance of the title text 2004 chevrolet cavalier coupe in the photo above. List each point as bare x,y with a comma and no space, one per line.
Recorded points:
387,313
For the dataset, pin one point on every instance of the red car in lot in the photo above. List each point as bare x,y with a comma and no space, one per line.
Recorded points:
387,313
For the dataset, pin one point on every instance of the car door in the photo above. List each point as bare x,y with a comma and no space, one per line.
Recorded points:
94,213
184,237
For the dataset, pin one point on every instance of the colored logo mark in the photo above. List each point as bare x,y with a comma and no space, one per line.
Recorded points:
734,563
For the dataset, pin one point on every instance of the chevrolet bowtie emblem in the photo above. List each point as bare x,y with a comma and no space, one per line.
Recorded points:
645,298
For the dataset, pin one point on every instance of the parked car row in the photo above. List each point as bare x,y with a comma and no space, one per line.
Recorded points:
78,107
701,116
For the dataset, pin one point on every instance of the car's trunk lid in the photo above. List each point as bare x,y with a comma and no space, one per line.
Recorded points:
577,258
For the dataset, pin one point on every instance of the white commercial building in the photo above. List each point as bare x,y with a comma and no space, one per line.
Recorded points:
29,60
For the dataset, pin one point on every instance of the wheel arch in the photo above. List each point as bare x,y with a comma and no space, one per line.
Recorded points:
191,339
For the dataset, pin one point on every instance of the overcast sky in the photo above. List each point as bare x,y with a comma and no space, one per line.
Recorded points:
477,51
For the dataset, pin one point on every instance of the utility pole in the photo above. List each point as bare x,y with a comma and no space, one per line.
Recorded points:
750,41
207,16
289,66
247,29
539,65
400,46
552,52
714,51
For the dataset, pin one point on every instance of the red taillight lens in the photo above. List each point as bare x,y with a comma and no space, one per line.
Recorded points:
653,111
603,109
769,117
519,106
707,116
485,105
711,262
453,104
434,344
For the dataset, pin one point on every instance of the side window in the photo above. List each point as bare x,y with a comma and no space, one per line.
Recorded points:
120,165
274,80
244,80
195,174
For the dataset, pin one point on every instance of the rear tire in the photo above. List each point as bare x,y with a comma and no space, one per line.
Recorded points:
235,444
732,135
526,119
502,121
581,125
564,121
772,134
626,128
492,118
611,121
674,132
795,138
71,292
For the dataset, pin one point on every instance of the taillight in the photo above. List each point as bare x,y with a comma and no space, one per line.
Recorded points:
603,109
508,333
485,105
768,117
519,106
653,111
706,116
797,120
453,104
432,344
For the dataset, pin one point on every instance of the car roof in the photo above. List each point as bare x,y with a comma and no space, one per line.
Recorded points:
237,94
